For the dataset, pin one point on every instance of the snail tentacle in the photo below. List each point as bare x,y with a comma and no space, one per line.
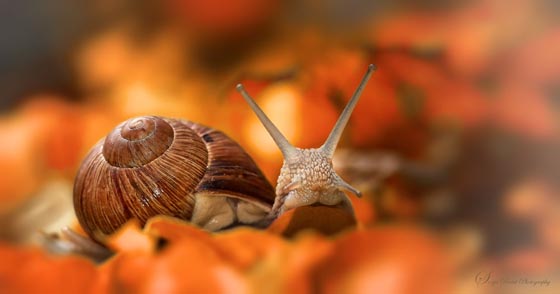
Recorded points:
285,147
332,141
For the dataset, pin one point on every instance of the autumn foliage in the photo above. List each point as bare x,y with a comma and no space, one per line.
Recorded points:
464,103
242,261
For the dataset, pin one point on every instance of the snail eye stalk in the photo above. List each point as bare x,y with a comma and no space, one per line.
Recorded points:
332,141
287,149
330,144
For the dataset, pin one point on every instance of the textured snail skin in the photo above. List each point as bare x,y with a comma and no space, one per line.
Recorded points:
151,165
308,178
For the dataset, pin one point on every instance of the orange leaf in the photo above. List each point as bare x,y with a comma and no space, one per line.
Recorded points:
32,271
173,229
385,260
129,238
243,247
185,266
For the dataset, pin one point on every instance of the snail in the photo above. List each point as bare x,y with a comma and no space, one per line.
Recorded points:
153,165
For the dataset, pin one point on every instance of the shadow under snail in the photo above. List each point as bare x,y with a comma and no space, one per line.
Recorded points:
152,165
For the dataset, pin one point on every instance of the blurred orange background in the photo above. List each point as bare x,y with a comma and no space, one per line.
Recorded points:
454,142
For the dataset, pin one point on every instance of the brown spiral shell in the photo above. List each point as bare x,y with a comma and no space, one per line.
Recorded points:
152,165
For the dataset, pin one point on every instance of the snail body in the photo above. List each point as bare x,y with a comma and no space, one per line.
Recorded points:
152,165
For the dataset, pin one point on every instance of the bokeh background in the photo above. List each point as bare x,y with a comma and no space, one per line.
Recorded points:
457,133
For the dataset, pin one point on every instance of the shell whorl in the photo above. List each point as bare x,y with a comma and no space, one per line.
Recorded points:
138,141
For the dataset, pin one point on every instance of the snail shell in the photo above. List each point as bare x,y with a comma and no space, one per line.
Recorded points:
152,165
